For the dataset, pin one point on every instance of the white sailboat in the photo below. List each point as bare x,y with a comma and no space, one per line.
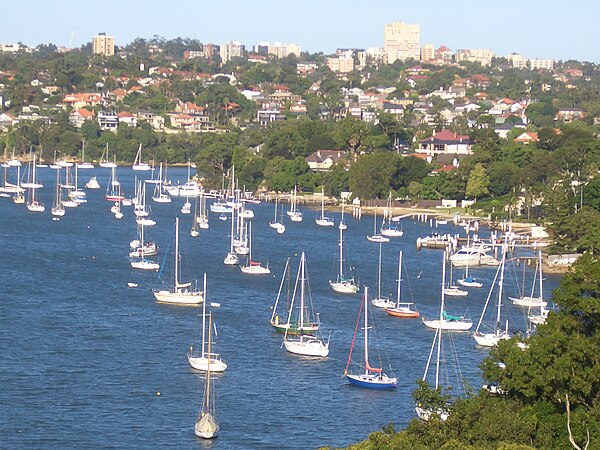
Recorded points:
160,196
376,237
469,281
342,284
202,217
205,358
138,164
206,426
532,300
323,220
178,293
113,188
447,321
402,309
254,267
379,301
33,204
367,377
58,210
497,334
232,258
293,213
104,160
83,164
388,228
342,224
300,343
277,225
453,290
138,260
18,198
92,183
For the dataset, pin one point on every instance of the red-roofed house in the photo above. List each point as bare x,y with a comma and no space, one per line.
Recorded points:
78,101
527,137
445,142
127,118
118,94
76,118
189,108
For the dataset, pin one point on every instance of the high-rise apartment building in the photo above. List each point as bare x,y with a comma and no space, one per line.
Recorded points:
427,52
481,55
103,45
232,49
402,41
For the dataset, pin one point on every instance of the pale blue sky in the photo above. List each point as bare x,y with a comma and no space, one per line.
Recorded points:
535,28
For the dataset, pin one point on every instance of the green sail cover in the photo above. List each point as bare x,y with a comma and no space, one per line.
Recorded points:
450,318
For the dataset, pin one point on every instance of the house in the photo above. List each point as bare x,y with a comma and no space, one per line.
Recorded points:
127,118
7,120
108,120
324,160
117,95
189,108
569,114
156,122
527,137
446,141
267,115
298,109
78,117
78,101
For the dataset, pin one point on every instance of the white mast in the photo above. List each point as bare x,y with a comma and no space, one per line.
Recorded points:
399,277
204,320
366,332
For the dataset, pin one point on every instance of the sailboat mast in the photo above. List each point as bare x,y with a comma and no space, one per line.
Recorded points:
437,366
231,240
500,288
366,331
399,278
208,367
541,282
302,293
379,274
204,320
341,252
176,252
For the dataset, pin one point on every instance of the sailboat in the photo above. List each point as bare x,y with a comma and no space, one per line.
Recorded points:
83,164
113,188
323,220
206,358
194,232
492,338
277,224
293,213
453,290
76,194
469,281
104,161
33,205
178,293
232,258
206,426
186,208
447,321
387,227
402,309
138,164
368,377
376,237
18,198
58,210
379,301
254,267
202,217
342,284
141,210
300,343
137,257
531,300
160,196
92,183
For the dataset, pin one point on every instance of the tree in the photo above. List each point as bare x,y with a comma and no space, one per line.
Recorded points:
371,174
478,183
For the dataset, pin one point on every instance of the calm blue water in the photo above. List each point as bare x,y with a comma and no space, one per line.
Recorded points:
82,356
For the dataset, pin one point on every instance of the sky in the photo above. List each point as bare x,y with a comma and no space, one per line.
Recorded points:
547,29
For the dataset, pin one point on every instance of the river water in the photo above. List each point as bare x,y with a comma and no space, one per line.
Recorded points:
86,361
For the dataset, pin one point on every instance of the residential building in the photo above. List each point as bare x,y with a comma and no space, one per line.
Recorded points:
10,48
79,116
446,142
103,45
427,52
517,61
265,116
232,49
569,114
527,137
324,160
78,101
546,64
108,120
481,55
340,64
402,41
125,117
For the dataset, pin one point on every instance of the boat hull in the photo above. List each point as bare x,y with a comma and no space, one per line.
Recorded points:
307,347
528,301
206,427
179,298
201,363
255,270
402,312
450,325
371,381
344,287
489,339
383,303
